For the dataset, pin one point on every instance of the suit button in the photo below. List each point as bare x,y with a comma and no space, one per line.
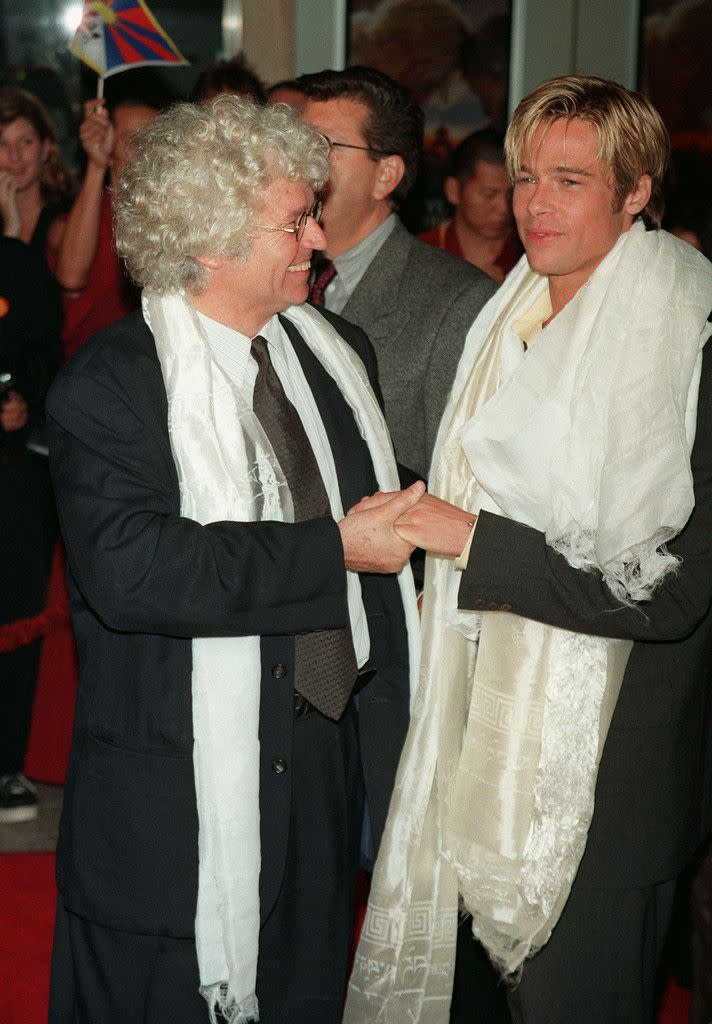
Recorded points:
480,604
279,766
279,671
505,607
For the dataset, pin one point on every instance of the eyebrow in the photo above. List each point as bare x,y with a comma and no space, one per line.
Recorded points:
291,218
561,169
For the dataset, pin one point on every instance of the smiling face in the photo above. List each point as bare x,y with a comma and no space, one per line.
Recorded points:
357,195
246,293
22,153
565,208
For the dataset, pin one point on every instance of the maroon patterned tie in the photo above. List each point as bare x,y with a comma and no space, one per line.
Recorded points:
324,274
325,668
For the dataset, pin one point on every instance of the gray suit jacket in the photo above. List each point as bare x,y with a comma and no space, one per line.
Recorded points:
416,304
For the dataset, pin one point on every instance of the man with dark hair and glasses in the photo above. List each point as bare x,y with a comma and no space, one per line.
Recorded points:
227,613
415,303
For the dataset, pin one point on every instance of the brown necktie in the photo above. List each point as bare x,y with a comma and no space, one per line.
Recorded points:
326,668
324,274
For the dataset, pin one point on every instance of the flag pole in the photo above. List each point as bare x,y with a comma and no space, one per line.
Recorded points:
100,87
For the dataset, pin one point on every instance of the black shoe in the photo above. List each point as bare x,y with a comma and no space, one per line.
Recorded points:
18,799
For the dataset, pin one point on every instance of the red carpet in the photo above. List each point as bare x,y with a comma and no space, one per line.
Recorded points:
53,710
675,1007
27,896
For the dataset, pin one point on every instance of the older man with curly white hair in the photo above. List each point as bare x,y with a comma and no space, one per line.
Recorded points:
244,649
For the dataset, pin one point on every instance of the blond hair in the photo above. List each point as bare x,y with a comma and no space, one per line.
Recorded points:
194,180
632,139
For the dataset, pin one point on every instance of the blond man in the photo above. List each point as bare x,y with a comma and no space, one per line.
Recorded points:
559,723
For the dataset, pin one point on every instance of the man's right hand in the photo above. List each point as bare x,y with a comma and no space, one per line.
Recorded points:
97,133
370,541
436,526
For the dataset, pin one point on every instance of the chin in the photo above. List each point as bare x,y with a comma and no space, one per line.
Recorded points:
297,296
496,233
534,263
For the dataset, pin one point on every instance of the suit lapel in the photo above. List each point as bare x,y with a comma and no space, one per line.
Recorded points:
375,300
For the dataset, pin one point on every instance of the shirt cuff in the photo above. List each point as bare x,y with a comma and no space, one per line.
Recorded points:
464,556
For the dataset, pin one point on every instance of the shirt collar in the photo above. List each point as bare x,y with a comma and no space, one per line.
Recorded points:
530,326
353,264
231,348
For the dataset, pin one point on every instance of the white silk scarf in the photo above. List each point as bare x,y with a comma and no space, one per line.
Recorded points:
586,437
227,470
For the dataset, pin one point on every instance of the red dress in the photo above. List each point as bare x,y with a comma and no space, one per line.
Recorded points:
107,297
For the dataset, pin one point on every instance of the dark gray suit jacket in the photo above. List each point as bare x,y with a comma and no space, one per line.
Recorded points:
416,304
648,818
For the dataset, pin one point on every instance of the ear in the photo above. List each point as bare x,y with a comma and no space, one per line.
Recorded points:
46,150
211,262
639,196
452,190
390,171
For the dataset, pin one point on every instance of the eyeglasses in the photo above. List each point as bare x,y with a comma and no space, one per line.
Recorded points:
350,145
300,223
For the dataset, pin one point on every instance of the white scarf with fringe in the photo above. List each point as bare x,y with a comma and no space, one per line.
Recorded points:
587,438
227,470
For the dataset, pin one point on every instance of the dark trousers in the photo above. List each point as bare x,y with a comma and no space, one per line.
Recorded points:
27,530
599,965
701,1009
18,676
101,976
479,996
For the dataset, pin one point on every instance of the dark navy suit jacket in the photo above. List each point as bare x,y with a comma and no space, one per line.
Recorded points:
144,581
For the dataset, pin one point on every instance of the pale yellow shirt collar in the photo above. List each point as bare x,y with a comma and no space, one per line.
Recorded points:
530,326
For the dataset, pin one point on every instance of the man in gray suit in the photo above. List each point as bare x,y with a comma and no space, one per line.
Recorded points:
415,303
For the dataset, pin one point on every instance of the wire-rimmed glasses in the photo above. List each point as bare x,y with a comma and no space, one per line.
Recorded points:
301,222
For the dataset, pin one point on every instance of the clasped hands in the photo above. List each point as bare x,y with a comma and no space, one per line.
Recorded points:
380,533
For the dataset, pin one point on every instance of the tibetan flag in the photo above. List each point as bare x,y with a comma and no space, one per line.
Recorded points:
115,35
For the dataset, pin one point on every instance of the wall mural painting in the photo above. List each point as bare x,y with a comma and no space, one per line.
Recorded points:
454,56
674,73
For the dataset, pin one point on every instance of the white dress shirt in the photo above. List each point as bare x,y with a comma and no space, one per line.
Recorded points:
231,351
353,264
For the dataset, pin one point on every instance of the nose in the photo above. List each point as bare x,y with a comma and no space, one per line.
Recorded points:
313,237
539,199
